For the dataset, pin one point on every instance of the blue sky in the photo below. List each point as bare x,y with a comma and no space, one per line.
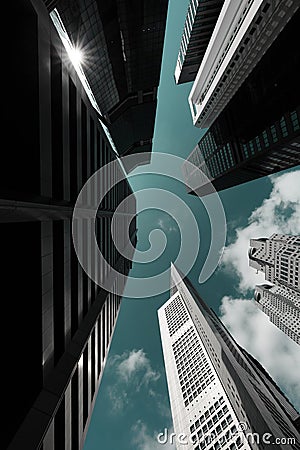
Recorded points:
132,404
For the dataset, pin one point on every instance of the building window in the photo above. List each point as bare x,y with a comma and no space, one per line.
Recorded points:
283,126
295,121
274,133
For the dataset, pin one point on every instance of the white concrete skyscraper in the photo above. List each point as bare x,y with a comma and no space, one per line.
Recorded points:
243,32
219,394
247,100
278,258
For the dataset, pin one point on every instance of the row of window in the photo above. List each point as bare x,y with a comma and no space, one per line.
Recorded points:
233,446
188,372
199,25
198,376
187,352
207,414
176,315
218,159
193,368
249,36
272,134
218,430
183,339
277,301
194,391
221,59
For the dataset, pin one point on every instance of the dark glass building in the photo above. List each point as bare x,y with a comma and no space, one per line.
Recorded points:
201,19
258,132
58,323
122,42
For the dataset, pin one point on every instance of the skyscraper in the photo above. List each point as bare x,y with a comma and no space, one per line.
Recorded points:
243,33
199,24
123,43
248,100
218,392
60,323
278,258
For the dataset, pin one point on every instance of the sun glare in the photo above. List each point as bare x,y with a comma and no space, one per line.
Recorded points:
76,56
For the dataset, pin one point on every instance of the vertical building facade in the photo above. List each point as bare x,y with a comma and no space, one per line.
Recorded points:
122,43
61,322
199,24
244,31
248,100
278,258
218,392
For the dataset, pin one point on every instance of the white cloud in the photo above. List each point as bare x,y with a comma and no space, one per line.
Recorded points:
278,354
129,372
144,440
134,364
118,399
280,213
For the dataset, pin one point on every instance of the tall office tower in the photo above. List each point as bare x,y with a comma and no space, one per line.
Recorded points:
200,21
122,42
278,258
243,33
218,392
248,100
57,326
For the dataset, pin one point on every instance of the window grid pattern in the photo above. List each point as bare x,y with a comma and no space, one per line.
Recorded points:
215,422
176,315
193,367
266,16
200,21
215,160
230,40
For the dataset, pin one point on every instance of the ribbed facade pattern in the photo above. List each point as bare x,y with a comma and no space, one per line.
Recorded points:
61,321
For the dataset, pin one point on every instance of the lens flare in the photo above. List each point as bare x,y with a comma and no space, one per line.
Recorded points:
76,56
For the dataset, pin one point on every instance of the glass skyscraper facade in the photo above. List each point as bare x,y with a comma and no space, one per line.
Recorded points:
123,44
61,321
